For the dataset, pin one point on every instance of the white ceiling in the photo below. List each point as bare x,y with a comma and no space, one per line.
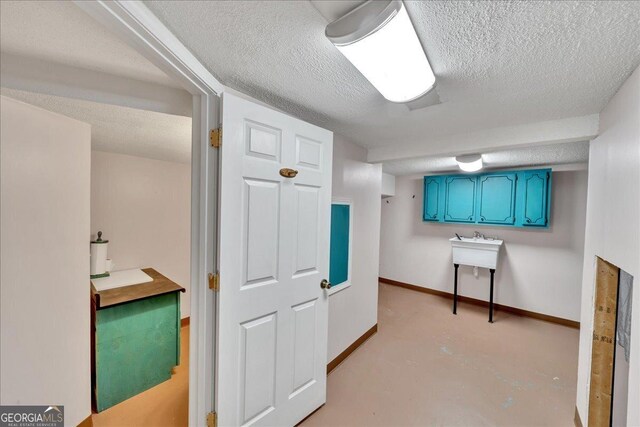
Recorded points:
120,129
67,54
540,155
334,9
498,63
59,32
504,70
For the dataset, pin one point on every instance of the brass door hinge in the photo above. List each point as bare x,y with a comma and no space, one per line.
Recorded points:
212,419
214,281
215,137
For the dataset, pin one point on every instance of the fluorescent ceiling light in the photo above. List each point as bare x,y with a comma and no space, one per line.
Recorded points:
470,163
379,39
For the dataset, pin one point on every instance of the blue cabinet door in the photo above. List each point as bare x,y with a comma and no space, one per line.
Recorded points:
460,200
496,198
432,190
535,195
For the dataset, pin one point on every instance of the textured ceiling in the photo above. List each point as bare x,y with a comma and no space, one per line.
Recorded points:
542,155
498,63
58,31
122,130
334,9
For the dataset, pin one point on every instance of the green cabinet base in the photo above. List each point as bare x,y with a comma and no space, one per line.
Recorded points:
137,344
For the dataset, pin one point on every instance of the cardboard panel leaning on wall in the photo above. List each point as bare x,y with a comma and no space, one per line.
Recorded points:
354,310
143,206
602,356
613,228
44,286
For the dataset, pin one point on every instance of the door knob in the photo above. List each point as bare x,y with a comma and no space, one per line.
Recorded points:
288,173
325,284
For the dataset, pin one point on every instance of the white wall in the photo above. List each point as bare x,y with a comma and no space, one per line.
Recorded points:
354,310
143,207
44,281
613,227
538,270
620,388
388,185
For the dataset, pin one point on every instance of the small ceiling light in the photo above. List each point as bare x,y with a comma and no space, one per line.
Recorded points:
379,39
470,163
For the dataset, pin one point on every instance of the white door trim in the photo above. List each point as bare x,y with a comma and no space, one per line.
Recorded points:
140,28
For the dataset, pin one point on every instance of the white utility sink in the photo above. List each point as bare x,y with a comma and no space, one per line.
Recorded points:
476,252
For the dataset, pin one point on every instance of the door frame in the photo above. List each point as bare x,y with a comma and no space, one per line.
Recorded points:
142,30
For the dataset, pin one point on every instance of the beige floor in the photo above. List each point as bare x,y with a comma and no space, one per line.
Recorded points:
166,404
426,367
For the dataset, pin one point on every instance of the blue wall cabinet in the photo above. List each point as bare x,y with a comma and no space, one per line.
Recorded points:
504,198
432,195
460,202
536,189
497,198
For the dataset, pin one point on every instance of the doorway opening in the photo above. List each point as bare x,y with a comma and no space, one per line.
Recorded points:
65,62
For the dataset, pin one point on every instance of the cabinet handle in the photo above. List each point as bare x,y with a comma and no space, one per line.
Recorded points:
528,220
482,218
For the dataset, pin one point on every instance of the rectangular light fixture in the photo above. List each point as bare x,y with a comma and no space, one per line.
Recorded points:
380,40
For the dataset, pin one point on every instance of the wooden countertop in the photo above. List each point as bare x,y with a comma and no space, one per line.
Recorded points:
160,285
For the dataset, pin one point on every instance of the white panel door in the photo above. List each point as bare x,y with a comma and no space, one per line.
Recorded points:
274,252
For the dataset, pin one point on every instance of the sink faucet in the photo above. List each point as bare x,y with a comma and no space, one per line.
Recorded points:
478,235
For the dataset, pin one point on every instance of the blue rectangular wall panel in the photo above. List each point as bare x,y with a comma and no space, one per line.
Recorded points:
339,246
